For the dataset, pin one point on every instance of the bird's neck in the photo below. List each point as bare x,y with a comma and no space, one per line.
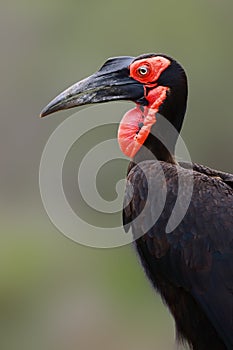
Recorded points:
160,143
154,150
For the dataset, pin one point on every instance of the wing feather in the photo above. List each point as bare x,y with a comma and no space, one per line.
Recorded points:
199,252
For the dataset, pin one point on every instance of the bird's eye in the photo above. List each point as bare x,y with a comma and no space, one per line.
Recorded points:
143,70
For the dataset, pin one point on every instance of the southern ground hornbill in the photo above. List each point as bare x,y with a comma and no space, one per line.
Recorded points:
191,265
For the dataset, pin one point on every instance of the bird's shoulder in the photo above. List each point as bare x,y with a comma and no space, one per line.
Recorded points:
227,178
185,209
151,184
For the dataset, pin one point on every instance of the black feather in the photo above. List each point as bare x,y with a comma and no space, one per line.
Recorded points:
192,267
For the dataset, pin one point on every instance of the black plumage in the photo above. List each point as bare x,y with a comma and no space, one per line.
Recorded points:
191,263
191,267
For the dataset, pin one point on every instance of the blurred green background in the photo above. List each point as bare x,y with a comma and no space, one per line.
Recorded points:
54,293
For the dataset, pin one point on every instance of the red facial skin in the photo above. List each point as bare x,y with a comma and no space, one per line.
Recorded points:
130,136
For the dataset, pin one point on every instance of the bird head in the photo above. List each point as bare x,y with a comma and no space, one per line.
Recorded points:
155,82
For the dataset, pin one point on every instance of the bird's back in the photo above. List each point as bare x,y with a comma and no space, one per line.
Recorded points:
188,260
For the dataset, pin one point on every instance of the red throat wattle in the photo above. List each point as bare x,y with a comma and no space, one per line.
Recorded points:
136,124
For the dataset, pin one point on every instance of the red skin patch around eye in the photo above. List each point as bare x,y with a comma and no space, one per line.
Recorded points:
156,65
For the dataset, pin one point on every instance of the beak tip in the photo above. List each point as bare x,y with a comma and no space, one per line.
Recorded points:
43,114
49,109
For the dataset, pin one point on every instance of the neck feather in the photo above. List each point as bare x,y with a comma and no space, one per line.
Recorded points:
162,140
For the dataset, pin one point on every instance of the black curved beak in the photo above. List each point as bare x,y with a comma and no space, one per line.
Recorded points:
110,82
